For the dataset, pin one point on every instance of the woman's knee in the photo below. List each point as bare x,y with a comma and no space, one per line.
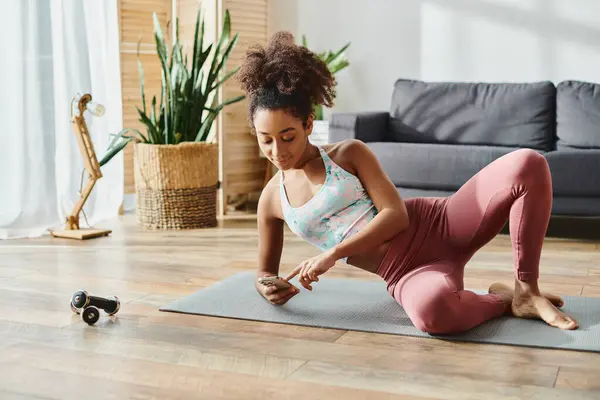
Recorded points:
433,327
526,168
531,166
434,315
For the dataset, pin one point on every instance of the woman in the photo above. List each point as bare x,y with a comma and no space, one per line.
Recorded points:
338,198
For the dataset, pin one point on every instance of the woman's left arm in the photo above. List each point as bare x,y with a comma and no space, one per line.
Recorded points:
392,216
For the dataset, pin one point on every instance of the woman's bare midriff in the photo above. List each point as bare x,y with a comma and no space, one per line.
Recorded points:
371,260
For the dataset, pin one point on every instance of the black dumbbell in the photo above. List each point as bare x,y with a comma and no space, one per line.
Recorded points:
90,315
82,300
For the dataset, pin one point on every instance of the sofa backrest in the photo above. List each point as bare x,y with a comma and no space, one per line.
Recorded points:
578,115
495,114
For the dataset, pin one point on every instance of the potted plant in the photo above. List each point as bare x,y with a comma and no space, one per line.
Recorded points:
176,159
336,61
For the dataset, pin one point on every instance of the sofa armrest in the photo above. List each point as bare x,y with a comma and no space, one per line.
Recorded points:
364,126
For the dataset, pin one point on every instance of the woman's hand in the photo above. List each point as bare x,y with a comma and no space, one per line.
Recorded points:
308,271
275,295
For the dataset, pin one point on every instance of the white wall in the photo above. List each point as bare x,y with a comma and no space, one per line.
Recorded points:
468,40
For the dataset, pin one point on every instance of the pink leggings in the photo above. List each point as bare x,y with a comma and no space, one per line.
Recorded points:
424,265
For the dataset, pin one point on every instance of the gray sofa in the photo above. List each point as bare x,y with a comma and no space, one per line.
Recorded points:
437,135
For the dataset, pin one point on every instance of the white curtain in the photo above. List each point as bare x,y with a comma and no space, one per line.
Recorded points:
51,51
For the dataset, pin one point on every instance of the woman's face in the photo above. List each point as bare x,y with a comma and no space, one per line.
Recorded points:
281,137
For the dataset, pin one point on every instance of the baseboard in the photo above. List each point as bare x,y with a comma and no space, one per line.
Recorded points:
129,203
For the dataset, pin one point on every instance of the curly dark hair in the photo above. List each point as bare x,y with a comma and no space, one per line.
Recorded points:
285,76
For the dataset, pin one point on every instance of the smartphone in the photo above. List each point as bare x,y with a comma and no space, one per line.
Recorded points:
276,281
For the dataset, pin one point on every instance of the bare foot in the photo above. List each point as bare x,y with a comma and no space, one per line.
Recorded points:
498,288
527,304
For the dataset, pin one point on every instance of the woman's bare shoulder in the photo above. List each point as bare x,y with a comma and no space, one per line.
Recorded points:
345,153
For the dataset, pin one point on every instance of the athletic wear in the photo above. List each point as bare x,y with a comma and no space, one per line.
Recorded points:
340,208
424,264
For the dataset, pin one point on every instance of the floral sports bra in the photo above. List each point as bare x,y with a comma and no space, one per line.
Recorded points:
341,208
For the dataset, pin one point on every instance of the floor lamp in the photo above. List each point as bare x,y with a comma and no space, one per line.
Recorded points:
86,147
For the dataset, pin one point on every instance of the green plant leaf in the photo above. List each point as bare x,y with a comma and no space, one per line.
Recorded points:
161,49
141,75
225,32
213,113
224,59
161,126
338,67
318,109
333,56
201,39
113,152
225,78
231,101
180,49
153,111
118,143
200,75
206,124
152,131
197,45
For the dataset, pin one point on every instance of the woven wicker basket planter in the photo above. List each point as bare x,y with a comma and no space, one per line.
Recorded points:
176,185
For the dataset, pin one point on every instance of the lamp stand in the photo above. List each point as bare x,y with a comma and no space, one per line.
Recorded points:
72,229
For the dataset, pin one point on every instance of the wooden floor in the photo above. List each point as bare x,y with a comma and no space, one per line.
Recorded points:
47,352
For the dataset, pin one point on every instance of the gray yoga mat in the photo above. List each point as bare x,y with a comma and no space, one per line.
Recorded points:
366,306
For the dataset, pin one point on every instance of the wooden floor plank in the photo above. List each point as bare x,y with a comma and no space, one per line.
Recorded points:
35,316
580,378
591,291
167,379
29,381
227,324
7,395
593,277
90,340
437,385
480,351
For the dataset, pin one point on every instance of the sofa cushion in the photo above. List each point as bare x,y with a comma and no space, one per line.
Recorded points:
433,166
575,172
495,114
367,126
578,114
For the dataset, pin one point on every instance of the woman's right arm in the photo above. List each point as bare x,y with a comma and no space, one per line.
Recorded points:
270,245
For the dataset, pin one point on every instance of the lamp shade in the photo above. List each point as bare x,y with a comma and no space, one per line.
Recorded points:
95,108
